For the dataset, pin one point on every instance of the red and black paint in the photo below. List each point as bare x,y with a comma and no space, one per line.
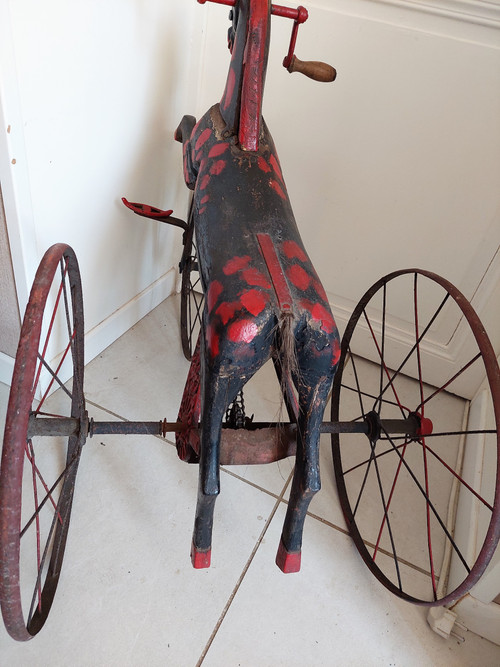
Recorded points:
256,275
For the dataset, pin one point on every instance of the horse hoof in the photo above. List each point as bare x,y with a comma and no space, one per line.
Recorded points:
200,559
287,561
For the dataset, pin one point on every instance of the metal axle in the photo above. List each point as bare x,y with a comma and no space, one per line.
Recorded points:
371,426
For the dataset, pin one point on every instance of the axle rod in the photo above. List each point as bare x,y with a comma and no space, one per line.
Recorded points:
68,426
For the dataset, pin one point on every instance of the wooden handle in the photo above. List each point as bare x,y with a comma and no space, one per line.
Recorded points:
313,69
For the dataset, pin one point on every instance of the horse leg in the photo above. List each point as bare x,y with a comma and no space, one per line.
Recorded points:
217,393
316,369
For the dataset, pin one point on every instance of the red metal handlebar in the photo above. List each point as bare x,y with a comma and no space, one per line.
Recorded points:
299,15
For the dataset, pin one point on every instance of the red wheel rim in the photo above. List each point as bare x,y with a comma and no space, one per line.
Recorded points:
354,477
54,496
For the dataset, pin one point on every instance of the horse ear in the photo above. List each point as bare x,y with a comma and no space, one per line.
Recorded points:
183,134
230,39
190,172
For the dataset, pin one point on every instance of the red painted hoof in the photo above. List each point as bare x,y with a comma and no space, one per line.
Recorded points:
287,561
200,559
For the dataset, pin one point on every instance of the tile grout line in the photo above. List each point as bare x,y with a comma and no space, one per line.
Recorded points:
280,499
254,485
243,574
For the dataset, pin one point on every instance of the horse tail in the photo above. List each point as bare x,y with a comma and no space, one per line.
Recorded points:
288,362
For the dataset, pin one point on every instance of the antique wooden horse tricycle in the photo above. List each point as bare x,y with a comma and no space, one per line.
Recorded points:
263,300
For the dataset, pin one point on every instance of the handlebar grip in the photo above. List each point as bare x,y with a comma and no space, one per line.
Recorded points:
313,69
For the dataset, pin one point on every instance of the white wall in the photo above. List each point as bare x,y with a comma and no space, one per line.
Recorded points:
91,93
396,164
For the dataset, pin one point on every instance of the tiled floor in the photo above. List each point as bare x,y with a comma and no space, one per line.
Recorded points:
128,594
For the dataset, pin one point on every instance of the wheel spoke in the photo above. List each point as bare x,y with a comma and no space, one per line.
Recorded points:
363,483
377,456
385,369
447,384
381,383
428,518
367,395
456,475
37,593
419,340
48,495
51,324
54,378
412,475
391,494
198,304
484,431
358,388
54,374
30,454
37,514
424,451
430,505
65,296
386,520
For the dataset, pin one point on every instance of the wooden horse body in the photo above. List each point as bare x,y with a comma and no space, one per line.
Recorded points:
263,297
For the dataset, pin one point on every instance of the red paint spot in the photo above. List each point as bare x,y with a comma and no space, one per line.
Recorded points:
199,157
204,181
336,352
254,301
299,277
202,210
229,92
205,199
217,150
236,264
218,167
320,313
203,138
307,305
255,278
226,311
214,291
243,331
293,250
263,165
320,290
212,341
277,188
276,166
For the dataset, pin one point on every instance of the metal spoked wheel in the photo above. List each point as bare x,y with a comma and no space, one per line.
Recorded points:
188,440
37,474
191,294
423,516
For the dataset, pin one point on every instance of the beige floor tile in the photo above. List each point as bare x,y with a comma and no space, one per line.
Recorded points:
128,594
331,613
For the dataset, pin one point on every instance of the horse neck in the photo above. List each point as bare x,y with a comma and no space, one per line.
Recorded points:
241,104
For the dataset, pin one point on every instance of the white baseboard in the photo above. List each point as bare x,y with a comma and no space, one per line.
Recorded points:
6,368
482,619
114,326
